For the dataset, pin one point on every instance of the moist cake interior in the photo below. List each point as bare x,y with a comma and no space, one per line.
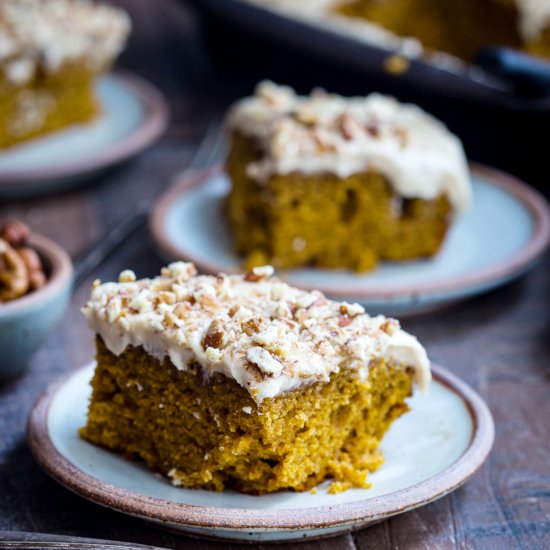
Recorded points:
210,434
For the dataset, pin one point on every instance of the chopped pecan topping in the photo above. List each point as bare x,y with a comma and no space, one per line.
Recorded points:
259,273
389,326
251,326
349,127
373,129
182,310
268,335
344,321
214,337
127,276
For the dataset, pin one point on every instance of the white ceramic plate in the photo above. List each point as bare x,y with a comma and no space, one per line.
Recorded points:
498,239
451,425
133,116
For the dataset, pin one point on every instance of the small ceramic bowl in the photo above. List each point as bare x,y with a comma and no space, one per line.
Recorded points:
25,322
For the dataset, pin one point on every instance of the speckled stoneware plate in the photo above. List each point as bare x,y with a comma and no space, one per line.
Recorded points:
429,452
133,116
498,239
12,540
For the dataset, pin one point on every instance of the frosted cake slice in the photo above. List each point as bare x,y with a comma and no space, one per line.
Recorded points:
51,52
328,181
245,382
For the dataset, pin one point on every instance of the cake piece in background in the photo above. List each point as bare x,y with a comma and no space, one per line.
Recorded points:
412,27
244,382
51,52
460,27
336,182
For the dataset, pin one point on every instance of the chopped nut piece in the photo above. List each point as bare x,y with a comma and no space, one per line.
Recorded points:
37,277
182,310
215,335
251,326
213,354
31,259
127,276
21,269
14,276
266,337
167,297
373,129
389,326
14,233
349,126
179,269
37,280
259,273
344,321
171,320
351,309
264,361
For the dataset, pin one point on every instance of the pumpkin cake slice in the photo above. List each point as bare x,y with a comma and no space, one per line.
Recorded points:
460,27
334,182
442,30
245,382
51,52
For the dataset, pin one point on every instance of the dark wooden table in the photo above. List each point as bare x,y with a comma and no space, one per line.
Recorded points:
499,343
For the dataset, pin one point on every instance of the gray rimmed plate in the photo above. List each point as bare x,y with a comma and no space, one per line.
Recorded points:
497,240
133,116
12,540
451,424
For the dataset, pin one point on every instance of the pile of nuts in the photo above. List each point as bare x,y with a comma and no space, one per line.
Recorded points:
21,270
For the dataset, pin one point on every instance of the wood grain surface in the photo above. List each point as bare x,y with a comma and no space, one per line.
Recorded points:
499,343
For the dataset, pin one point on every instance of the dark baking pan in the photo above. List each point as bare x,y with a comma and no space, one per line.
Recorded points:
502,111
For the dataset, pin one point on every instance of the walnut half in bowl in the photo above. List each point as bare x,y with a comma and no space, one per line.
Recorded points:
35,286
21,268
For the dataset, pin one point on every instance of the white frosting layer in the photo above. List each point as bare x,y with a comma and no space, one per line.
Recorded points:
46,34
534,17
329,133
267,336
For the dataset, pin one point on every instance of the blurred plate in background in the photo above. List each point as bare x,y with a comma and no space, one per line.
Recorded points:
133,116
499,238
42,541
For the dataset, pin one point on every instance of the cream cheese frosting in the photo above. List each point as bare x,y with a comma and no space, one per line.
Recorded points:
46,34
533,19
266,335
329,133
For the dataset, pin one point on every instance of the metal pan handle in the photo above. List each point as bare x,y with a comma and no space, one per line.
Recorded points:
529,75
